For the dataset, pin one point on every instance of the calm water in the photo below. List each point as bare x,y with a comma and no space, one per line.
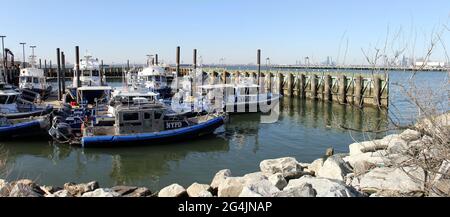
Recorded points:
304,130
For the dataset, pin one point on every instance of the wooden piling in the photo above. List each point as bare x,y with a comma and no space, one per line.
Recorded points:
101,72
77,65
342,89
58,59
313,90
358,100
280,82
40,63
376,90
327,88
63,74
289,84
302,84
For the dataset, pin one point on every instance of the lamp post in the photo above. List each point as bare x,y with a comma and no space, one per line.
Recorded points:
23,52
3,55
32,55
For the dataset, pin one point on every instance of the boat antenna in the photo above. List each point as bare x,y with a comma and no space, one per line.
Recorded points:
33,57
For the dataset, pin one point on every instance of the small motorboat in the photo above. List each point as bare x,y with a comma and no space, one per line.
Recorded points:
12,106
24,128
32,82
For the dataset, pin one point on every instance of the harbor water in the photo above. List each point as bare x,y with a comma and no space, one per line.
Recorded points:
304,130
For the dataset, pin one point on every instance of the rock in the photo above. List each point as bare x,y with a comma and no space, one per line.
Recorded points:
80,189
278,180
375,158
325,187
334,168
139,192
304,190
50,189
231,187
124,190
397,146
441,182
101,192
410,135
61,193
199,190
23,190
375,145
315,166
262,188
329,152
5,189
174,190
361,167
288,166
219,178
393,180
254,177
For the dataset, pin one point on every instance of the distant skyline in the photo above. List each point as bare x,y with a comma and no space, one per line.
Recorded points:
285,31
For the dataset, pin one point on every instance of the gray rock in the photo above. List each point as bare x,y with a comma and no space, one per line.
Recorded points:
5,188
139,192
262,188
220,177
174,190
61,193
80,189
325,187
410,135
231,187
315,166
334,168
278,180
288,166
254,177
23,190
393,180
199,190
124,190
375,158
329,152
101,192
304,190
361,167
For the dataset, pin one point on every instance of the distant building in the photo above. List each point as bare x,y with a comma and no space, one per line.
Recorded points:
429,64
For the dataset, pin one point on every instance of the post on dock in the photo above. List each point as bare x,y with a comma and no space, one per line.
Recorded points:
302,89
40,63
194,76
77,65
280,82
358,91
342,89
327,88
45,64
128,65
156,59
258,62
178,65
290,81
58,72
313,86
63,73
376,90
101,73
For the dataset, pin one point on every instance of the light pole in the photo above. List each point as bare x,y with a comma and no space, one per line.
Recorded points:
3,54
32,55
23,50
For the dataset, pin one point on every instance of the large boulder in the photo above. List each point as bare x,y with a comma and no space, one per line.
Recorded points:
410,135
23,190
199,190
231,187
288,166
80,189
254,177
278,180
219,178
334,168
315,166
393,180
174,190
375,158
139,192
325,187
303,190
60,193
101,192
262,188
5,188
124,190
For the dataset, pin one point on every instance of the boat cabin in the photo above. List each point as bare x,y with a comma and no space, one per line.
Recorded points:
8,101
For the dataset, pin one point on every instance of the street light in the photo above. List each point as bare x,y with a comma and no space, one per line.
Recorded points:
23,50
3,51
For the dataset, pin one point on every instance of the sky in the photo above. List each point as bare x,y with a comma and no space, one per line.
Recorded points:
285,31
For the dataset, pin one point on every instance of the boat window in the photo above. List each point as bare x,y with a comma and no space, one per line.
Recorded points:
157,78
35,80
86,73
29,79
3,99
147,115
95,73
158,114
23,79
131,116
11,99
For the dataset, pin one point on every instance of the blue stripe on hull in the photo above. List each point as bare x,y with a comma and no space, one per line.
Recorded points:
154,138
21,130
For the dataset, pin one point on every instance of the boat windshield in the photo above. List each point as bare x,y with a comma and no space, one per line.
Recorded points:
35,80
3,99
26,79
95,73
86,73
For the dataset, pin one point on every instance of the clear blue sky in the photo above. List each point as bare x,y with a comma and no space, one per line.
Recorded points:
286,31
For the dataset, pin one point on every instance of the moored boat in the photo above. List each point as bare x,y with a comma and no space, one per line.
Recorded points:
24,128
